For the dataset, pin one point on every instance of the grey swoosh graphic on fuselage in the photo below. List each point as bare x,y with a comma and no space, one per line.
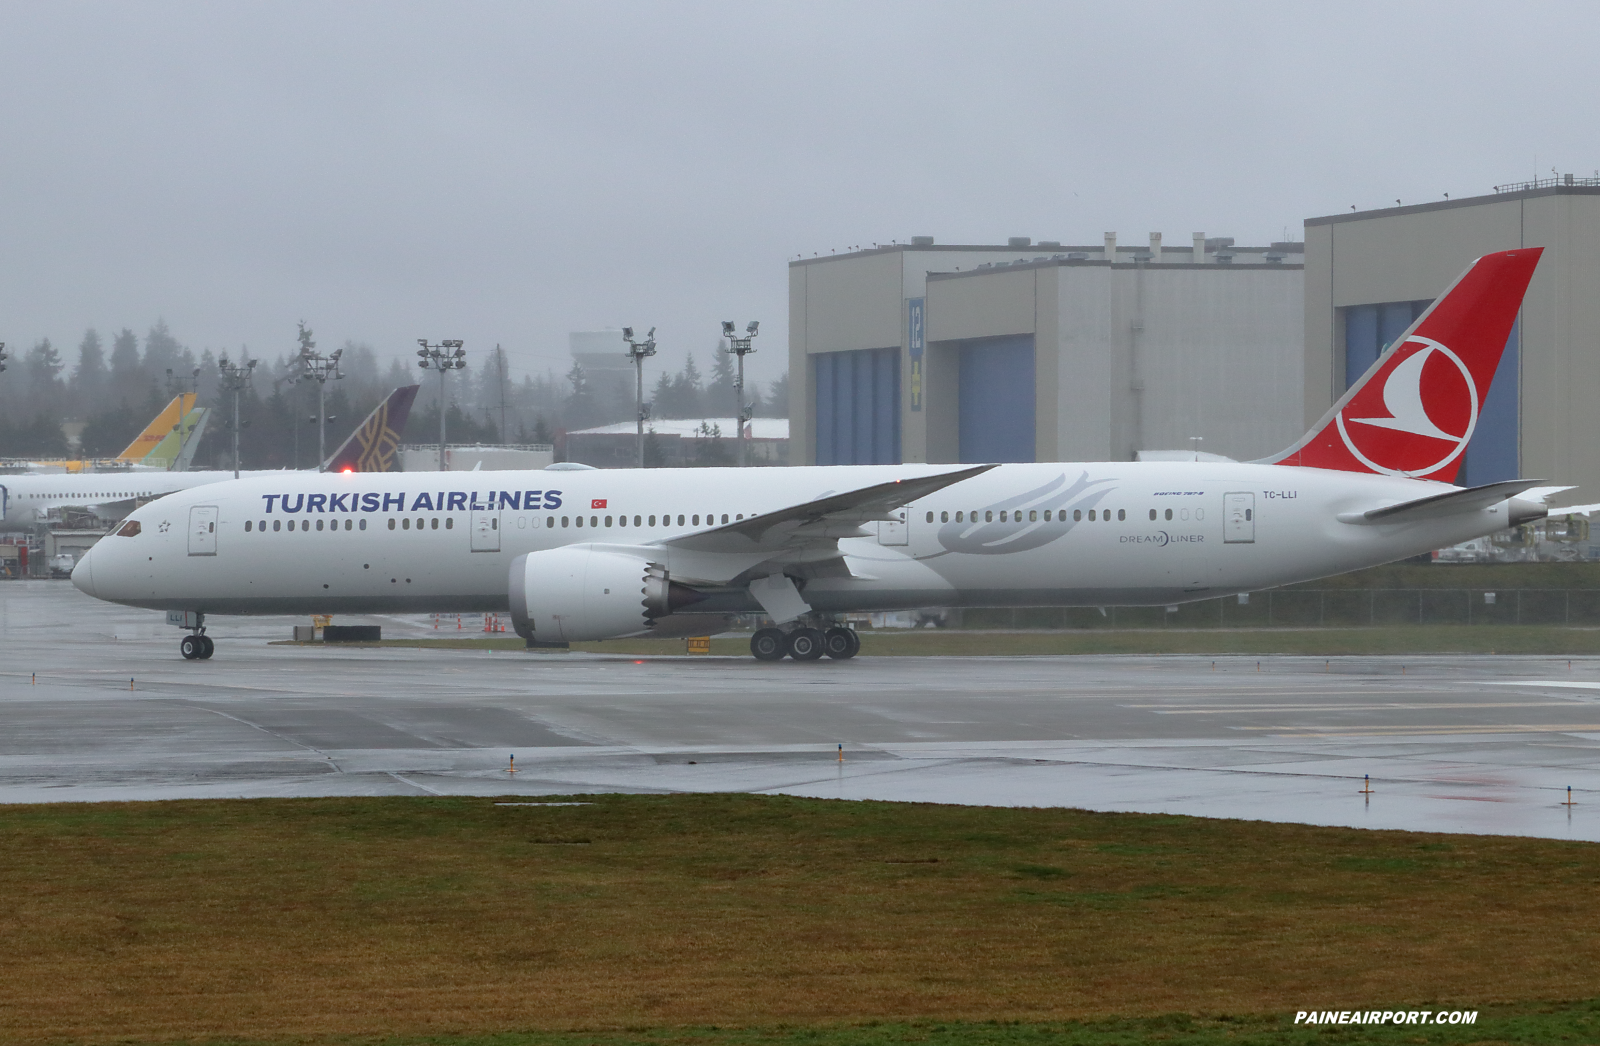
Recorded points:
996,539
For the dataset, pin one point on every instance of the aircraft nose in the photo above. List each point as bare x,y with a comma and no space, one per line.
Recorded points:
83,574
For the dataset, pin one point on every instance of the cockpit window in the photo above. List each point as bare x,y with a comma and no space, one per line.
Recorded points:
129,529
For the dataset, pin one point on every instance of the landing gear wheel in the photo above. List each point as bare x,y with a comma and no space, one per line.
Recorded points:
841,643
208,648
768,644
805,644
191,648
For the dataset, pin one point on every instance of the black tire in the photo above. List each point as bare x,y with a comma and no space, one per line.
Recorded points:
805,644
190,647
209,647
768,644
840,643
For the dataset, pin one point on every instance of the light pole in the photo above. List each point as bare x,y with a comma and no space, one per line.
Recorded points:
444,356
235,379
741,348
318,368
637,351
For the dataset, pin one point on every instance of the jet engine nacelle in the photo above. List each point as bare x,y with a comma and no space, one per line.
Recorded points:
581,592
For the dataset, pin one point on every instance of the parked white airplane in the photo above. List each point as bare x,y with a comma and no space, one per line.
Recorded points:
26,500
604,554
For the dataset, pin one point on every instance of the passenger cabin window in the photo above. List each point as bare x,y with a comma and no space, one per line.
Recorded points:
1077,515
247,526
391,525
1122,514
1169,514
988,517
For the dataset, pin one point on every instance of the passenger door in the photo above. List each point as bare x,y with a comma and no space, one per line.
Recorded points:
895,531
1238,518
485,526
203,530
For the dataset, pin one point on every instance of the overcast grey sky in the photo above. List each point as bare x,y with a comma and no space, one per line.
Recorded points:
510,172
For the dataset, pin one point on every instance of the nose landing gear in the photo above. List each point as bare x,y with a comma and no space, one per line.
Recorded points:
805,643
196,646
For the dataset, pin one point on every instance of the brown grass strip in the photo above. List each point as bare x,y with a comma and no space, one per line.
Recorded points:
266,919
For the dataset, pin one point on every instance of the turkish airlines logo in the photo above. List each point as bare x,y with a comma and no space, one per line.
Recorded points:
1396,429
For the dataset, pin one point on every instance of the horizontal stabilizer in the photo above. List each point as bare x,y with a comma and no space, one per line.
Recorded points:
1575,510
1450,503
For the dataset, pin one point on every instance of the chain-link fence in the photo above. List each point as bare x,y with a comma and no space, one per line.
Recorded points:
1313,608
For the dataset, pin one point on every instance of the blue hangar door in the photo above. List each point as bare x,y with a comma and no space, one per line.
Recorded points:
996,411
858,407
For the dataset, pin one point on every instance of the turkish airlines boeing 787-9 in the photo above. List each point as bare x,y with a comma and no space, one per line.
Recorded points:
585,555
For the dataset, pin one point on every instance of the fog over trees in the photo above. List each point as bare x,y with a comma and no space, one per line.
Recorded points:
115,383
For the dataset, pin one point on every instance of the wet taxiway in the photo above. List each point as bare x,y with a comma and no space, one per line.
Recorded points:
1463,744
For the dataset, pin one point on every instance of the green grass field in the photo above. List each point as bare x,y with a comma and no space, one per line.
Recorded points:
727,919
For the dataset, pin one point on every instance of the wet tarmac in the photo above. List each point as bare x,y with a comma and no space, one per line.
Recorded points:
1459,744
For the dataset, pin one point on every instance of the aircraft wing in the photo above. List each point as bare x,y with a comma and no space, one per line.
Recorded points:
808,532
1437,506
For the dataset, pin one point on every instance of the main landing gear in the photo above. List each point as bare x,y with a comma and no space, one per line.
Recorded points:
196,646
805,643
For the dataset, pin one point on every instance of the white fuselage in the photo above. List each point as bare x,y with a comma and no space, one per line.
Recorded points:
1125,533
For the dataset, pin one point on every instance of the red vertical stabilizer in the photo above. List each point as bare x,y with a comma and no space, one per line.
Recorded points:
1414,412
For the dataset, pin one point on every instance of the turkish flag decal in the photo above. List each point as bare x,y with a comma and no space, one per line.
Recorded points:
598,503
